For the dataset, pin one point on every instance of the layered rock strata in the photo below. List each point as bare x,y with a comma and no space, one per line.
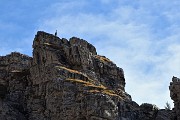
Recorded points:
67,80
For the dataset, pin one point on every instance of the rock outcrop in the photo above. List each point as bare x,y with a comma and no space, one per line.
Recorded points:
70,81
14,76
175,96
67,80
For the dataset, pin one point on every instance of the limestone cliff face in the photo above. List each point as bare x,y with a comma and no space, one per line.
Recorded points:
67,80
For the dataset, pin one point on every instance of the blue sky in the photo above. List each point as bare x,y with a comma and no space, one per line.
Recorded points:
140,36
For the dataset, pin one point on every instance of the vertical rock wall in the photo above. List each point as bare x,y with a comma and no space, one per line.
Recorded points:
175,96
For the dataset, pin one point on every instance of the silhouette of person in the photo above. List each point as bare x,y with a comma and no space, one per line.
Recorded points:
56,33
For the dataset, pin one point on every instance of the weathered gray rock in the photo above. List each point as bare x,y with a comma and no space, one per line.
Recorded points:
165,115
67,80
175,96
13,83
70,81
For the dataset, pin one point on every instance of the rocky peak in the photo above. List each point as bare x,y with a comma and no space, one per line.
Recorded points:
73,69
77,54
68,80
12,64
14,72
15,61
83,44
175,95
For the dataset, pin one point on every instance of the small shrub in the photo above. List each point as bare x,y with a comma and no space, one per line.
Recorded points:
167,106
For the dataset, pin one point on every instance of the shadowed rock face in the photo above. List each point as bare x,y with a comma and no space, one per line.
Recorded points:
3,90
67,80
14,74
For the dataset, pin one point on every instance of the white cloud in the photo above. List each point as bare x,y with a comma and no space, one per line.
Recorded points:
130,36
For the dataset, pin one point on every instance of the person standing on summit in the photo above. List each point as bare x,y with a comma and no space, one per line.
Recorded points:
56,33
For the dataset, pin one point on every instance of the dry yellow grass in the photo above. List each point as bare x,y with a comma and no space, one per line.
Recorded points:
109,92
79,81
96,86
70,70
47,44
103,59
86,83
103,90
75,71
89,83
94,91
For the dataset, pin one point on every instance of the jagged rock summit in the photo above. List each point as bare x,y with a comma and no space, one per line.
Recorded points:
175,96
67,80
